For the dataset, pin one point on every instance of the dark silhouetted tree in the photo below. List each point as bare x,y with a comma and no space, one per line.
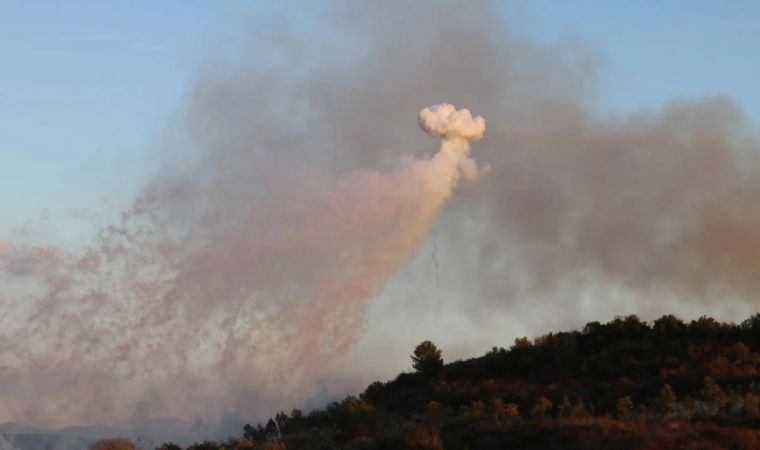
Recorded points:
427,358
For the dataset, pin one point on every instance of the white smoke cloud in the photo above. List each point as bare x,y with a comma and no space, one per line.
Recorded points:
456,128
446,122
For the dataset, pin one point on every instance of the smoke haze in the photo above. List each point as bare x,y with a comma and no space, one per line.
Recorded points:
297,189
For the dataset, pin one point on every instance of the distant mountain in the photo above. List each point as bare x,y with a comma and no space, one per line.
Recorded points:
146,434
93,431
14,436
17,428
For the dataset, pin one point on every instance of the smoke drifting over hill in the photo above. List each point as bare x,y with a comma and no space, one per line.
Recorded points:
301,187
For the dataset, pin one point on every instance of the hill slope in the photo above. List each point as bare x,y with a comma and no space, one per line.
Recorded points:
625,384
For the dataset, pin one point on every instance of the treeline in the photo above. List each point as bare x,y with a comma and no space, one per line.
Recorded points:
594,367
624,384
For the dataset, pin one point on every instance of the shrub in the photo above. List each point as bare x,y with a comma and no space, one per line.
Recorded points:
543,405
424,438
504,410
113,444
624,405
752,404
712,392
476,409
667,398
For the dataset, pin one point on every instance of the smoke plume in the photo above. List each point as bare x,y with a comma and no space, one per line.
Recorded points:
201,318
296,190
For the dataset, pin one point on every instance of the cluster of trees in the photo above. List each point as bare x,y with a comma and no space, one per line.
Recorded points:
624,384
627,346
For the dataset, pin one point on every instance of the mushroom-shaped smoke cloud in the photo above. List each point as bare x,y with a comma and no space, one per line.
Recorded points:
456,128
445,121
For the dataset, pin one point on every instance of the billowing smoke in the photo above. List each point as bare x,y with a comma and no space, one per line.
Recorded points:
296,189
456,128
150,323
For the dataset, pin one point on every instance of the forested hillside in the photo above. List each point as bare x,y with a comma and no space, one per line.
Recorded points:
624,384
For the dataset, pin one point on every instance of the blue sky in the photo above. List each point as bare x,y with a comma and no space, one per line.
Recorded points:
86,88
656,50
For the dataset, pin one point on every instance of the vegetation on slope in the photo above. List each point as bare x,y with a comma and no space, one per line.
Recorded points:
625,384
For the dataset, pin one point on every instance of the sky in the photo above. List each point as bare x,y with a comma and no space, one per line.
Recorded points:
278,182
86,88
655,51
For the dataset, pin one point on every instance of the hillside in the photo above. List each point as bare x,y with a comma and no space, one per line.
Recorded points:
625,384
